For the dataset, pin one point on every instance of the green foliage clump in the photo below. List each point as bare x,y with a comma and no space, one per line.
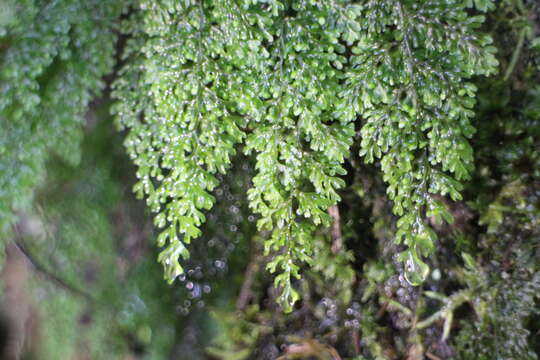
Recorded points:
288,80
181,133
503,303
226,87
410,74
53,59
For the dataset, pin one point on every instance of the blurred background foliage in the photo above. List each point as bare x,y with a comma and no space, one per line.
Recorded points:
80,280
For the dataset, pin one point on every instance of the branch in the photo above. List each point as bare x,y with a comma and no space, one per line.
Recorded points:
245,291
515,55
38,267
447,311
337,240
432,356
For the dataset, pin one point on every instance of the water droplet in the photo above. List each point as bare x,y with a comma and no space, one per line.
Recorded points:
416,270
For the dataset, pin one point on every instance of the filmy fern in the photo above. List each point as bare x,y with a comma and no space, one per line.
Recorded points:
208,82
410,74
288,80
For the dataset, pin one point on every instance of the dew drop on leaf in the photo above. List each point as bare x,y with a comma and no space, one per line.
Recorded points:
416,270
